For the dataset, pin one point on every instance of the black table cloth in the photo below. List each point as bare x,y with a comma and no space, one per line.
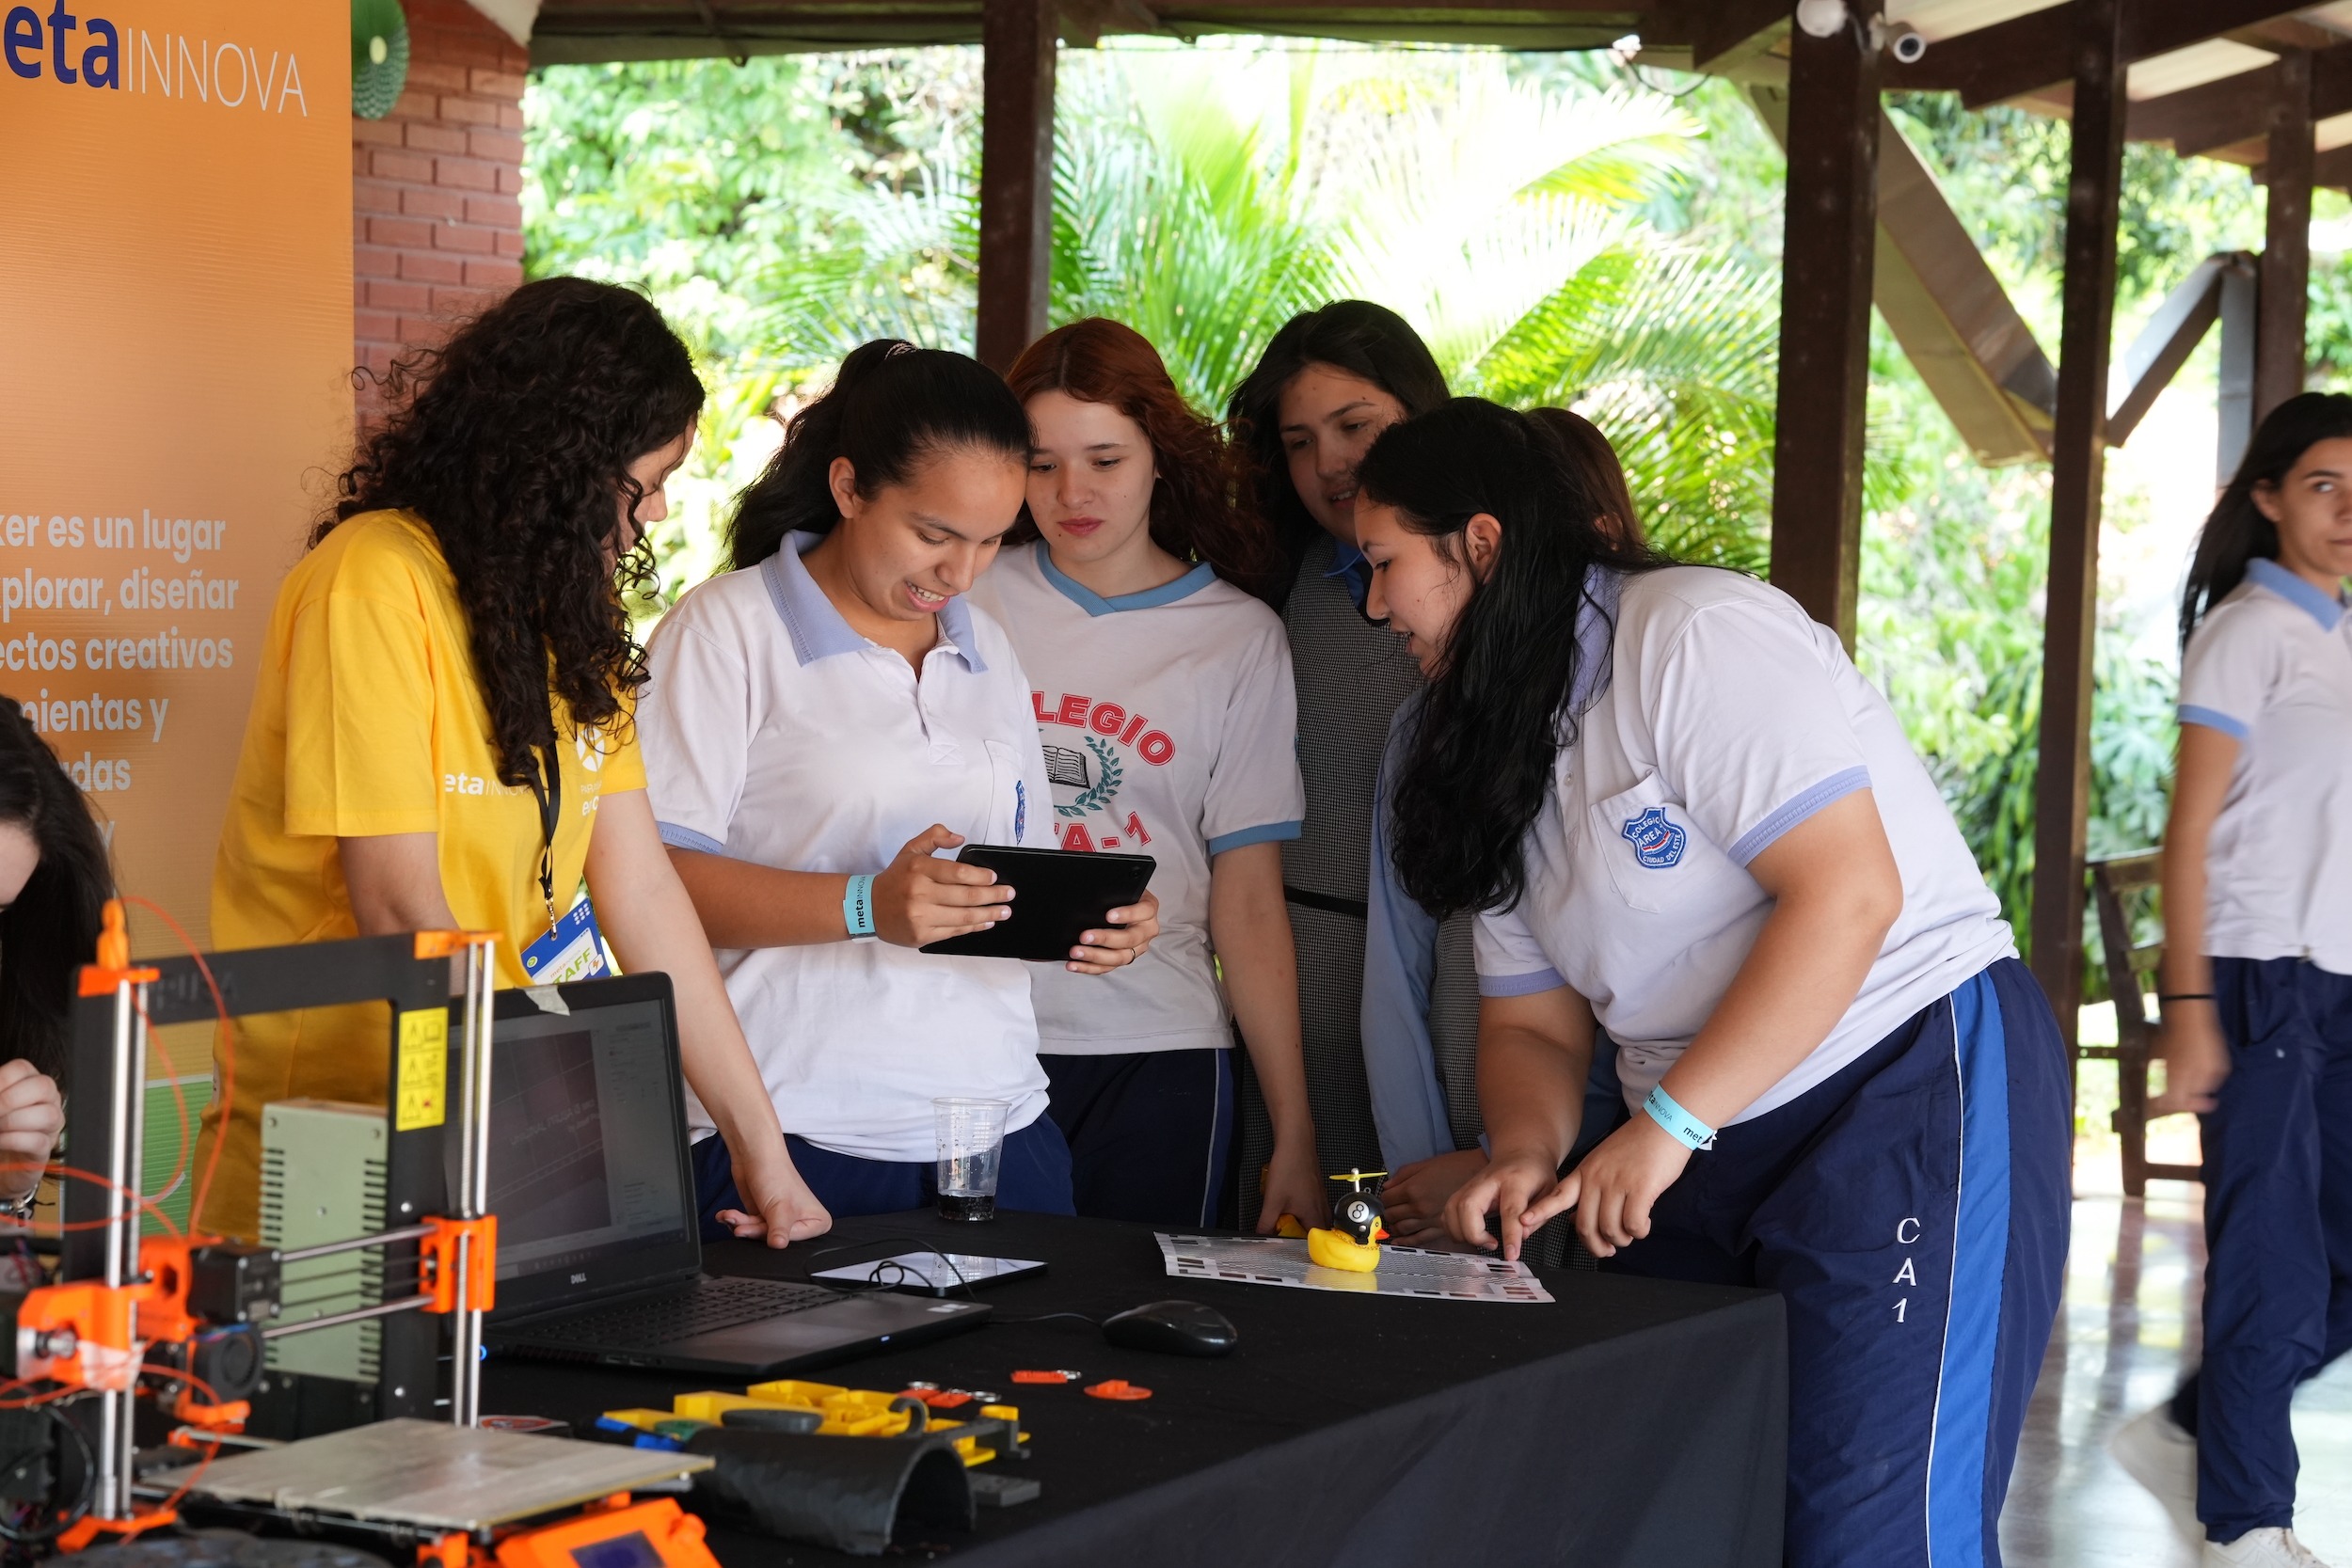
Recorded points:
1632,1421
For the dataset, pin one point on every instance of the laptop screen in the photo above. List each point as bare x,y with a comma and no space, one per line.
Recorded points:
588,1174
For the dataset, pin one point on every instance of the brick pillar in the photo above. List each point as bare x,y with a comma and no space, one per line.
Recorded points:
437,186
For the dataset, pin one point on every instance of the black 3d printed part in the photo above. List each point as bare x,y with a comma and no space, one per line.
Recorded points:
846,1493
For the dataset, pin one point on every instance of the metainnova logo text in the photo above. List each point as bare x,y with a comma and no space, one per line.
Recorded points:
171,65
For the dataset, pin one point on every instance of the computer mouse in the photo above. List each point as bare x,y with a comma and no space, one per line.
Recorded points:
1172,1328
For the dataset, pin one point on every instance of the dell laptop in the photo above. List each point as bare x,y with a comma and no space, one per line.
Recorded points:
598,1250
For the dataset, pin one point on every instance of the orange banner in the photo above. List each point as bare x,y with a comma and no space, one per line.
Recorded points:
175,303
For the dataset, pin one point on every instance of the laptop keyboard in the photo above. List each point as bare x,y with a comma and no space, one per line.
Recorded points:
710,1304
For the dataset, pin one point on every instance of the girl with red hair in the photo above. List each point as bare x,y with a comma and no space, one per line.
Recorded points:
1163,698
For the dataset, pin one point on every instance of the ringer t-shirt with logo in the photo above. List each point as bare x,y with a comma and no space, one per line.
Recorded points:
367,719
775,734
2270,666
1725,718
1169,726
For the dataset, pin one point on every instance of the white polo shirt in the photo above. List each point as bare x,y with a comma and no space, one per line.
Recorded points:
1725,718
774,733
1170,729
2271,667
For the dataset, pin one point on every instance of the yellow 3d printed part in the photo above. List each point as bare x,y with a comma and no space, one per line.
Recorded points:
1334,1250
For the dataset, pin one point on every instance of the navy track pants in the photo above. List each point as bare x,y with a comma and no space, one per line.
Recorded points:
1912,1211
2278,1149
1035,1176
1150,1133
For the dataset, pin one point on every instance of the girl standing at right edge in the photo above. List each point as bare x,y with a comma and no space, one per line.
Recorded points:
2256,997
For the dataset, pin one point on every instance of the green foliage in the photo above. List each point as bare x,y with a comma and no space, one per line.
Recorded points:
2006,171
1559,231
785,210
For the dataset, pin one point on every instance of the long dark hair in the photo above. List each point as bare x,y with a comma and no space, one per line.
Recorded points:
1496,711
513,443
52,929
1352,335
1193,511
891,406
1595,461
2237,531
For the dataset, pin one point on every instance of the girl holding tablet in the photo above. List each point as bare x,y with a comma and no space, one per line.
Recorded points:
824,721
1162,692
441,733
2257,983
1692,822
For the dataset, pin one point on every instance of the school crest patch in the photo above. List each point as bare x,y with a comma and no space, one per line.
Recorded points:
1658,844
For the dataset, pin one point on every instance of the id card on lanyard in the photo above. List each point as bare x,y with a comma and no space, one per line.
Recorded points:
573,949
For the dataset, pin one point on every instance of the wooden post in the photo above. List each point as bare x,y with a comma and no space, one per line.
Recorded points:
2077,474
2286,264
1017,41
1832,239
2234,397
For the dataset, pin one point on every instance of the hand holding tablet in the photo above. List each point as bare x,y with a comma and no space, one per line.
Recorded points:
1065,897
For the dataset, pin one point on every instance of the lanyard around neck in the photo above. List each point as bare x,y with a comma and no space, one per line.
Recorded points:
547,786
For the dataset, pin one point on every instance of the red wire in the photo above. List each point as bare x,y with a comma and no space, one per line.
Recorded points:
227,1056
92,1176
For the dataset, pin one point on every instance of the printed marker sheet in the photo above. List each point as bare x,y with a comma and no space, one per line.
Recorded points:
1403,1271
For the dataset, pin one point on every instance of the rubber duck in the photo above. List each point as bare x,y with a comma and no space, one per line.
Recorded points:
1351,1244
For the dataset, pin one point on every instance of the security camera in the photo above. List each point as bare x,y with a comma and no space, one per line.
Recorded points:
1907,44
1821,19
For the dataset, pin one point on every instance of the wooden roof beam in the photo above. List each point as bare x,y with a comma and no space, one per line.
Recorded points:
2034,51
1721,35
2238,108
1947,310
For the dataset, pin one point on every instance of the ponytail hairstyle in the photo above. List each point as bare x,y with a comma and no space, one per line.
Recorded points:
1595,461
1364,340
513,443
1194,515
891,407
2237,531
52,928
1496,710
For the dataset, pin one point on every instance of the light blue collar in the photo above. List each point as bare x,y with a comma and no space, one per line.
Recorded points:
1343,556
1596,635
818,630
2327,609
1150,598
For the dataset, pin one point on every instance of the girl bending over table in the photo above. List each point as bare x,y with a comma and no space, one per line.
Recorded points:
1692,822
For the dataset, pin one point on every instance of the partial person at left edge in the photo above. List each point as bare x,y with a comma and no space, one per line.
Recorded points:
443,731
53,882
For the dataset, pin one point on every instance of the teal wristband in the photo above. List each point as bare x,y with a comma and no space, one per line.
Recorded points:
1685,1129
857,905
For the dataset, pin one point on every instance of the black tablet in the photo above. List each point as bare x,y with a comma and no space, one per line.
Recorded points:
1059,894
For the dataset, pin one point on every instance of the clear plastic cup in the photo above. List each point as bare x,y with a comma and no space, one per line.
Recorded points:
971,1155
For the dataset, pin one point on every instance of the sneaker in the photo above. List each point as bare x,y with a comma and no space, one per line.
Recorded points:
2156,1452
2261,1549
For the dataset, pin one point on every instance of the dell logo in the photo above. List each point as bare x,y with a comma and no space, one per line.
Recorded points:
580,1279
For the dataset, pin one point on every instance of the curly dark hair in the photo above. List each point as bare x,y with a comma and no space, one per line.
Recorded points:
513,443
52,928
1495,714
1194,502
1352,335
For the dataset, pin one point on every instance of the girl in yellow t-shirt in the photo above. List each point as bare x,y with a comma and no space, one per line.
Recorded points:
451,652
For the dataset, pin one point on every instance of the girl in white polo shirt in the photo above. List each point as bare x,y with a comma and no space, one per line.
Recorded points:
824,725
1163,695
2256,996
1691,822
